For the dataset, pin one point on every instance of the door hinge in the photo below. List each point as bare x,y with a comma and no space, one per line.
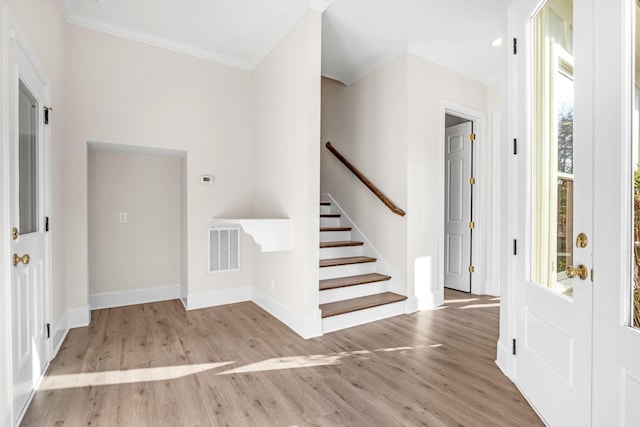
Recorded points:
514,347
515,146
515,247
472,225
472,137
471,269
515,46
472,181
48,330
46,114
46,223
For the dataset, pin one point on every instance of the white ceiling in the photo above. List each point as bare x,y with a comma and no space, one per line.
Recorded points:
357,35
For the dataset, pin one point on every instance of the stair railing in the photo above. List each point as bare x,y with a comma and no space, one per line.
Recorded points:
384,199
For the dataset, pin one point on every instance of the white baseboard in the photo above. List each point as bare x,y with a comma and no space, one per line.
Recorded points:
59,334
78,317
137,296
5,417
503,358
196,300
492,288
73,318
306,327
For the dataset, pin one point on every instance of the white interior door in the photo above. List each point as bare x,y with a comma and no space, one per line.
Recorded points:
457,237
552,125
29,294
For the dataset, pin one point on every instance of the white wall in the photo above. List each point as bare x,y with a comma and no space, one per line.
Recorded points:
124,92
431,87
286,131
143,253
367,123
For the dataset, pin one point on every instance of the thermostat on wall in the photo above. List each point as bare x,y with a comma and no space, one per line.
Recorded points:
207,179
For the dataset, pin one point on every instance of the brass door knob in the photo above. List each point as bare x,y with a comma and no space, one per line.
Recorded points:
580,271
23,259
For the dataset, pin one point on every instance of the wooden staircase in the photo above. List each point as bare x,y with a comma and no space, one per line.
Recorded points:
351,291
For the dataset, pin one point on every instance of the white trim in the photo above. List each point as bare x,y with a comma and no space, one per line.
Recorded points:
361,317
503,359
479,233
59,334
5,417
306,327
205,299
132,297
78,317
159,42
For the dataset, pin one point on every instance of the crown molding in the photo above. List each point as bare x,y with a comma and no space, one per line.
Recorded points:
149,39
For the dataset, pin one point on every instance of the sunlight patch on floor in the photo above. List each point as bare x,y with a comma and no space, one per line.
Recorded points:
161,373
456,301
493,305
316,360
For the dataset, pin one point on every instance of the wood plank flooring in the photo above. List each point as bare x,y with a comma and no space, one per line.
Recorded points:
159,365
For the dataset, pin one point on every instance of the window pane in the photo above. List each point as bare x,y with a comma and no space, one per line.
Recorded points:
28,161
552,151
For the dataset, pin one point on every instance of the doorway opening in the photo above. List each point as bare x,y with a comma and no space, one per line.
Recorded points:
136,224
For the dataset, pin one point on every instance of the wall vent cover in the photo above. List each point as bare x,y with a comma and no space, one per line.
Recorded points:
224,249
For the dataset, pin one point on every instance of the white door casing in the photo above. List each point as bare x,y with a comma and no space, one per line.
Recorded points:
553,331
28,92
457,237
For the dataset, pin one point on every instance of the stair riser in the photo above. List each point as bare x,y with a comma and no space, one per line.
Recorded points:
347,270
333,236
349,292
341,252
325,209
329,222
343,321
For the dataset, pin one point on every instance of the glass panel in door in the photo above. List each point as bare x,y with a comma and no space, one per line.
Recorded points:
28,161
552,151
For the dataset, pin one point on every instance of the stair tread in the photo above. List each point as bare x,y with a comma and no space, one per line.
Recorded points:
343,282
325,203
329,215
361,303
332,262
340,244
335,229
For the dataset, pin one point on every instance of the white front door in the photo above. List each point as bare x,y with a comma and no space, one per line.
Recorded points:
29,294
616,335
457,231
552,130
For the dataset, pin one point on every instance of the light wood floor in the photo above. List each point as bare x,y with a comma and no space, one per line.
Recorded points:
158,365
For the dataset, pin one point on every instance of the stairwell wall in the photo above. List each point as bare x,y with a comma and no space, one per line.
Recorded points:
286,171
366,122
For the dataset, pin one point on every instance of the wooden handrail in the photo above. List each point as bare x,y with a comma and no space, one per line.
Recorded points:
384,199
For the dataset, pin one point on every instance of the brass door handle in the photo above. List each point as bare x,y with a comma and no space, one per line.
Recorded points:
580,271
23,259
